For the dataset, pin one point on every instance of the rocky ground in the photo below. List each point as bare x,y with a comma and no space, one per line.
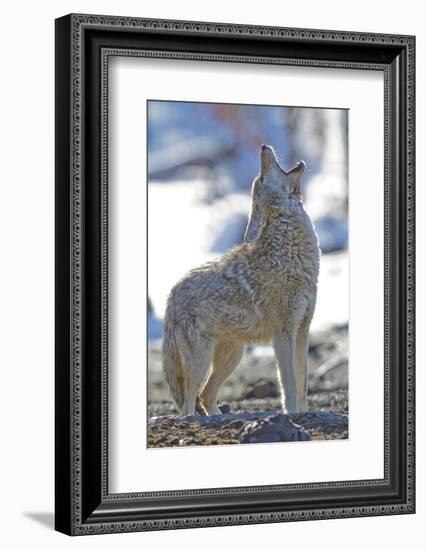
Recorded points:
251,404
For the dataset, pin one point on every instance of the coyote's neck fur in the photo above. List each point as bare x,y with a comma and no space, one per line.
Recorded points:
288,244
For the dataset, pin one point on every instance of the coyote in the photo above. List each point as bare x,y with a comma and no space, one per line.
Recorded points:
260,291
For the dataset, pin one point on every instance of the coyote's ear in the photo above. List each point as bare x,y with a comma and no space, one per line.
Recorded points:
255,226
294,176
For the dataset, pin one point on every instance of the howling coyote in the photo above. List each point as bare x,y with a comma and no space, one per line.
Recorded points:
261,291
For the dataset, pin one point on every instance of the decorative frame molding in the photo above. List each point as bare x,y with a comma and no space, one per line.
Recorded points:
84,44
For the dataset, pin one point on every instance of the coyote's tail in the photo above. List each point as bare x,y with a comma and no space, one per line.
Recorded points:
172,364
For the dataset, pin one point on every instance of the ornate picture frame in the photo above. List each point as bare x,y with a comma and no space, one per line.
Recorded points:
84,44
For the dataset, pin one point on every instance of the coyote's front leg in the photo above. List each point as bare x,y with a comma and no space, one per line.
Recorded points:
284,347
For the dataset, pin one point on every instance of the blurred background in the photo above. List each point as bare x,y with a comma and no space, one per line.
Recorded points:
202,158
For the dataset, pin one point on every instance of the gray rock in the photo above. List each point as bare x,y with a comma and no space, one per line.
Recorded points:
273,429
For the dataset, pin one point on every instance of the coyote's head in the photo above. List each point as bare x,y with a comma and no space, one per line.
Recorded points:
271,190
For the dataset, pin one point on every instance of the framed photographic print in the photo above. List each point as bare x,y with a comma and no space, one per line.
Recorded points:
234,274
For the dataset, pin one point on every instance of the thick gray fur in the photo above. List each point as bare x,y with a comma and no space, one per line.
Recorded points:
261,291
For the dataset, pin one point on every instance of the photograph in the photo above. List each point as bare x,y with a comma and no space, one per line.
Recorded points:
247,273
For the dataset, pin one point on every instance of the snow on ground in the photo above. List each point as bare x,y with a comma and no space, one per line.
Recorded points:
177,226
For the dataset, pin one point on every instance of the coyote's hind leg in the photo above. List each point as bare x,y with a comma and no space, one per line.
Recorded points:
226,357
196,353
